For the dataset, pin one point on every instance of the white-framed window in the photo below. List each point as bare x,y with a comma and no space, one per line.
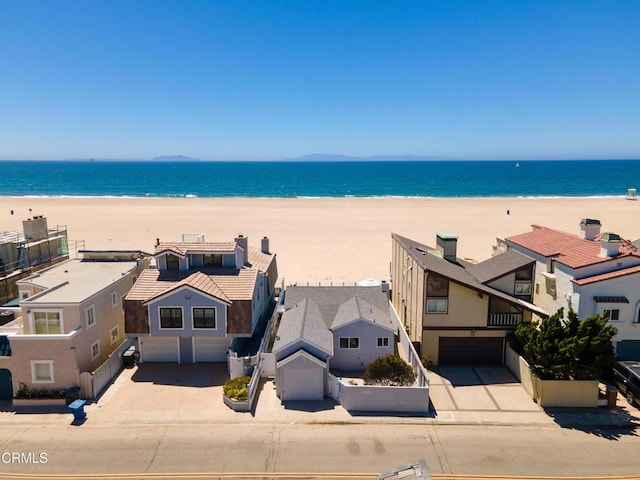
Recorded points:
95,349
437,305
42,371
204,317
114,299
114,334
437,294
613,314
90,315
383,342
47,322
349,342
523,288
171,318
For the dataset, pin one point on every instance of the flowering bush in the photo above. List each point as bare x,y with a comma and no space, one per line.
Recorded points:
237,388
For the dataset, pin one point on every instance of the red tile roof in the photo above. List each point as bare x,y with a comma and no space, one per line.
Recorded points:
568,249
608,276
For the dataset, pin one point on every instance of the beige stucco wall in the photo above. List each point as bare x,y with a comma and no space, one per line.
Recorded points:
431,339
465,309
71,356
24,350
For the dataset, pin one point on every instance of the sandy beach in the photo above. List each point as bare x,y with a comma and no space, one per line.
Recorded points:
318,240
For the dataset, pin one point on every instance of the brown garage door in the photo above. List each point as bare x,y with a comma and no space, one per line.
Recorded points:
470,351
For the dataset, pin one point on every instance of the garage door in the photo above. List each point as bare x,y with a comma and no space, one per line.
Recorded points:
159,349
470,351
301,377
210,349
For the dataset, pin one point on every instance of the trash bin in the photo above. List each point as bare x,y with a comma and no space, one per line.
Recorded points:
612,396
77,408
129,357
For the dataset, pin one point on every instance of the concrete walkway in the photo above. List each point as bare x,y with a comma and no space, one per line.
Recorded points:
192,394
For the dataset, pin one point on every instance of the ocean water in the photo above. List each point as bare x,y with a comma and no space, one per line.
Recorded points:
320,179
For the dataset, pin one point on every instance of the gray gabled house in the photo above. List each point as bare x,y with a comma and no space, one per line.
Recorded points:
329,328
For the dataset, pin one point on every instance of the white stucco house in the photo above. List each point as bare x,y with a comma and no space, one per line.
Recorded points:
590,272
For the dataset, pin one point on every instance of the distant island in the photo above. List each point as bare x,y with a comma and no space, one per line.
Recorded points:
174,158
328,157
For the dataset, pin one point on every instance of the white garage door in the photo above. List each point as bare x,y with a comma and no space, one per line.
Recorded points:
302,379
159,349
210,349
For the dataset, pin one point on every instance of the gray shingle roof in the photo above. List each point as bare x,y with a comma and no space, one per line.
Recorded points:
303,321
358,309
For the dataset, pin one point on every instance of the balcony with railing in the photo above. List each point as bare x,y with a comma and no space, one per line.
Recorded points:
504,319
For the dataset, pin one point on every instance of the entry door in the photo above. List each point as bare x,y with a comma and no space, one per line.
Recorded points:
6,385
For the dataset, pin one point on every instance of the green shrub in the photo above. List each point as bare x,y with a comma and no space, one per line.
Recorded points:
237,388
39,393
389,369
564,349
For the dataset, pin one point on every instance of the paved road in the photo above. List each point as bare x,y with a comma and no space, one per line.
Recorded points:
366,448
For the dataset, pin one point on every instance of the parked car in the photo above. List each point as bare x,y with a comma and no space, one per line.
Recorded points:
626,376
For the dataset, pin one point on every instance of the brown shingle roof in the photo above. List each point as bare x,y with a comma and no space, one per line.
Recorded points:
569,249
230,284
182,248
199,281
429,260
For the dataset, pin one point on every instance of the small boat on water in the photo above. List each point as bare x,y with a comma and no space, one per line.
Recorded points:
517,164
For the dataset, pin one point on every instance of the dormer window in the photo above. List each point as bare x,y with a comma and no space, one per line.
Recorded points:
173,262
212,260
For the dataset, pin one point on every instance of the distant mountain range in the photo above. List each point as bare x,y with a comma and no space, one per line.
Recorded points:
314,157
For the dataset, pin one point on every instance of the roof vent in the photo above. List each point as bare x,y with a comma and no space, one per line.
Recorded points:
609,245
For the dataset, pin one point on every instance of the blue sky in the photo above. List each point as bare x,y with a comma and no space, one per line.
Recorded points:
277,79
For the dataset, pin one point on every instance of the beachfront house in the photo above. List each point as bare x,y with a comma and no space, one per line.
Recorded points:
25,251
457,312
329,328
590,272
321,340
69,323
198,298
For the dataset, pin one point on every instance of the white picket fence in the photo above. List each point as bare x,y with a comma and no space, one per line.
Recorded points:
92,384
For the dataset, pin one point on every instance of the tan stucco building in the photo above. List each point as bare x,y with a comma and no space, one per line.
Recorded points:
70,319
457,312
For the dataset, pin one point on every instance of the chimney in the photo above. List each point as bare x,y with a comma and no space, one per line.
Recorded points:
589,228
447,245
265,245
244,243
609,245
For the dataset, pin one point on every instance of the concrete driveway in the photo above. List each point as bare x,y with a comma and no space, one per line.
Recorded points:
478,389
164,391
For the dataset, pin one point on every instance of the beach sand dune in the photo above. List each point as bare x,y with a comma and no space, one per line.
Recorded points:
318,240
